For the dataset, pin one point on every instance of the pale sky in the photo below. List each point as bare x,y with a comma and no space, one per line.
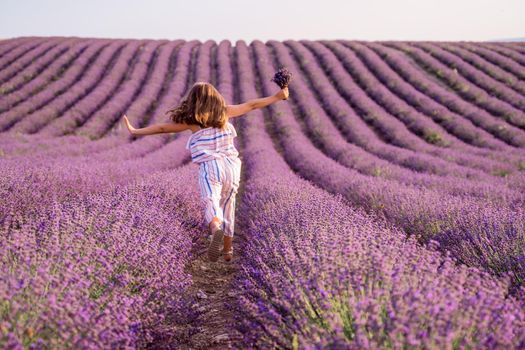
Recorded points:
247,20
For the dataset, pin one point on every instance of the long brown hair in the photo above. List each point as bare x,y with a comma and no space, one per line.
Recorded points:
203,105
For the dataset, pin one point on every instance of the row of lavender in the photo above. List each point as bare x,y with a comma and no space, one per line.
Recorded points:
319,274
478,232
320,125
74,120
407,160
158,93
287,285
77,158
74,276
80,114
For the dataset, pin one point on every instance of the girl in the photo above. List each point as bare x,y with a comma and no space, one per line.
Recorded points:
205,112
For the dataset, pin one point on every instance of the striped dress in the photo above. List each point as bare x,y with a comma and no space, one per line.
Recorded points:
212,143
219,173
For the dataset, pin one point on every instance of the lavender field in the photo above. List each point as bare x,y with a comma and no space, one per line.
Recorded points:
382,206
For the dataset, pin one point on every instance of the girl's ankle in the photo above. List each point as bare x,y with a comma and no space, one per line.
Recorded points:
228,243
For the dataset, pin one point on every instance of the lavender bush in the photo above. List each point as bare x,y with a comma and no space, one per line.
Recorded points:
319,274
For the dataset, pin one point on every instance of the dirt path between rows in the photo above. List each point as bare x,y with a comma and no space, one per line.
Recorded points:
212,286
213,302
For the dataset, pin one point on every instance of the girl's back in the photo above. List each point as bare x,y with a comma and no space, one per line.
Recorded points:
211,143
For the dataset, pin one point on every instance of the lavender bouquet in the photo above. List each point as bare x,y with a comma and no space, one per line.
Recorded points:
282,77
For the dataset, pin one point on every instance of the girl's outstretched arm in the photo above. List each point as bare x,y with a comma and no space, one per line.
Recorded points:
156,128
243,108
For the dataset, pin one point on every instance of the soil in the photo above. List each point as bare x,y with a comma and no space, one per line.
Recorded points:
215,294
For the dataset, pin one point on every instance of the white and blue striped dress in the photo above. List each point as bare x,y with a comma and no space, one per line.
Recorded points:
211,143
219,172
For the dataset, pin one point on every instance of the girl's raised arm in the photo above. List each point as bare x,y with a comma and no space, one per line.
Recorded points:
243,108
156,128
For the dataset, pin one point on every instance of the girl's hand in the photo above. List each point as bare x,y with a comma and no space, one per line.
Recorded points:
283,93
128,125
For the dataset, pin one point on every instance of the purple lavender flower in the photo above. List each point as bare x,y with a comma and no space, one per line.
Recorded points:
282,77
